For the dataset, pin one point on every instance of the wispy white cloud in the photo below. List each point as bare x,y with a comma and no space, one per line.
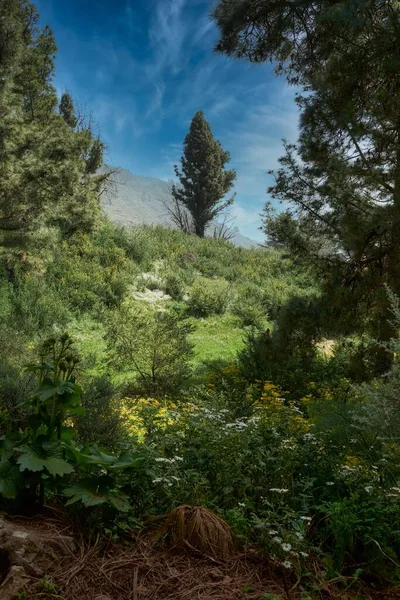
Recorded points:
146,89
244,216
221,106
203,31
156,100
255,143
167,33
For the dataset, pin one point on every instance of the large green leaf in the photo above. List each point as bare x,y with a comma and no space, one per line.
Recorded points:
127,461
10,478
46,391
94,491
86,491
98,456
41,430
8,445
67,433
30,461
58,466
120,502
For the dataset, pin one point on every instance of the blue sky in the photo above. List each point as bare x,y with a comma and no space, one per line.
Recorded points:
144,67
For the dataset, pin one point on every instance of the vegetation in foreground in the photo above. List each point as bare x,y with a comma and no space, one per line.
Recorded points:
145,372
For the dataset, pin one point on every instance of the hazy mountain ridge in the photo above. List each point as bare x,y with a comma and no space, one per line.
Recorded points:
136,199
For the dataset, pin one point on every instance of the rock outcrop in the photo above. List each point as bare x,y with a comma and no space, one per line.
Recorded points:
29,551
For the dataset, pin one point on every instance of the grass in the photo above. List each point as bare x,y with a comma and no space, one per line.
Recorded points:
217,338
90,343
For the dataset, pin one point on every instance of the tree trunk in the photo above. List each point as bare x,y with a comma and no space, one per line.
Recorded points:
200,229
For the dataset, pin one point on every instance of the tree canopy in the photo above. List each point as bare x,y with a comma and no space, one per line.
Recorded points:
204,182
342,179
48,163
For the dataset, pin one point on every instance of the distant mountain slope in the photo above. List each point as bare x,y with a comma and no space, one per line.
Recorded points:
134,199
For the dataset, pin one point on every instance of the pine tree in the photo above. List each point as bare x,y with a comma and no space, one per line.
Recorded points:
67,110
47,166
204,182
341,182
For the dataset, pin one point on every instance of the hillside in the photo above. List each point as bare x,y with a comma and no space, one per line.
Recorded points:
138,200
182,417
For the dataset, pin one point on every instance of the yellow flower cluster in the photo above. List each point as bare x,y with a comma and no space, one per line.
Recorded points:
271,395
230,373
141,413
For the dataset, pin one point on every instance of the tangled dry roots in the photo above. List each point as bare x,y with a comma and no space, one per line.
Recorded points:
200,529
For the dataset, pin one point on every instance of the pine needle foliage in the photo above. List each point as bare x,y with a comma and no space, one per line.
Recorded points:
203,180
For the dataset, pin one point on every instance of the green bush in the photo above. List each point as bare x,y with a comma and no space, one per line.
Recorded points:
102,421
43,459
249,305
208,297
92,273
152,344
359,531
38,306
175,285
16,386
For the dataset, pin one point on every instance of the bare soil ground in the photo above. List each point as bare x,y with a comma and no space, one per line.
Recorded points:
139,570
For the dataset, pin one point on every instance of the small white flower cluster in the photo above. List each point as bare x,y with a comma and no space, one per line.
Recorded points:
287,547
220,416
254,420
346,470
289,444
310,437
210,415
169,461
169,482
236,425
394,492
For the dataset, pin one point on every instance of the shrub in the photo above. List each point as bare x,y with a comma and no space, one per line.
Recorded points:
175,283
102,422
92,273
208,297
16,386
153,344
359,530
43,458
249,305
38,306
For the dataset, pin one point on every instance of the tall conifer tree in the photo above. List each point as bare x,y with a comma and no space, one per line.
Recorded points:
204,182
341,182
48,168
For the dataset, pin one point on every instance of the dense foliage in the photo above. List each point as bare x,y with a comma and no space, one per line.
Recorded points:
48,157
145,368
203,182
341,181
